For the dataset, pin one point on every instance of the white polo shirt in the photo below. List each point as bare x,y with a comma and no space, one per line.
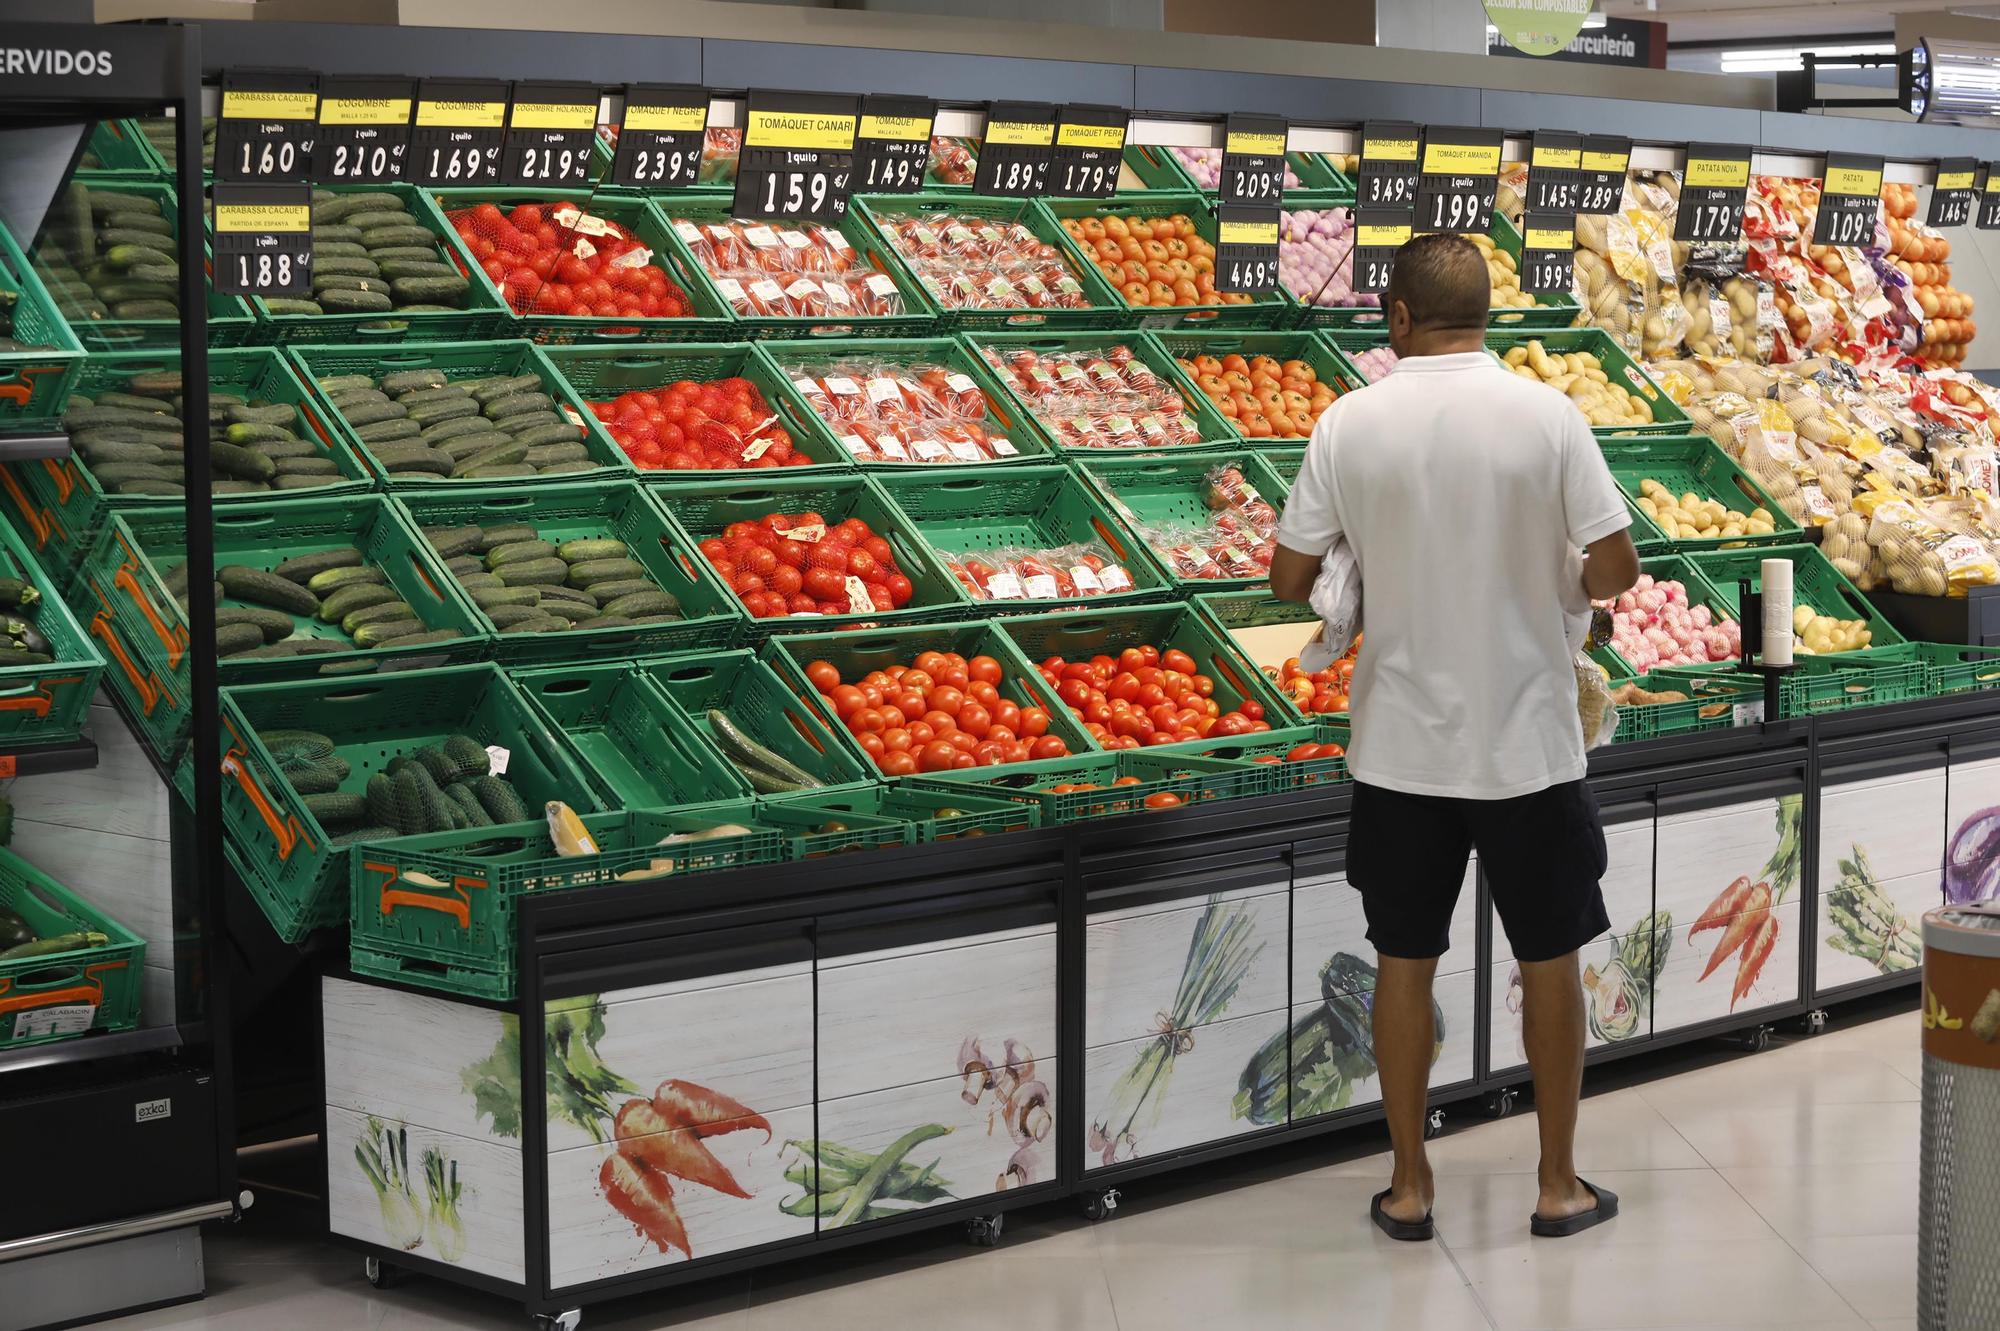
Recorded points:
1464,490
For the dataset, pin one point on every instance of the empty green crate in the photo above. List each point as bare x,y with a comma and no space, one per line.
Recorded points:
1271,752
1147,776
41,998
759,705
43,704
711,617
1695,464
1285,460
1954,668
1618,367
968,515
456,361
1264,311
1150,493
1815,583
1328,365
1311,169
439,910
1714,697
815,833
639,748
147,635
1046,408
281,851
936,815
36,378
1843,683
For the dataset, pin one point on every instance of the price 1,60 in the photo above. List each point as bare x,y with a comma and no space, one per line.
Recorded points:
272,158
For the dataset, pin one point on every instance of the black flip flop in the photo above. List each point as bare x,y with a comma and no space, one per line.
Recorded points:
1406,1231
1606,1208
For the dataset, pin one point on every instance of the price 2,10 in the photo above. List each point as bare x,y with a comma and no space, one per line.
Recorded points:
281,158
374,162
461,163
554,163
800,193
893,173
1716,221
269,272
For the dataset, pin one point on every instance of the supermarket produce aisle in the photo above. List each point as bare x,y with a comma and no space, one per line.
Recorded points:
1773,1190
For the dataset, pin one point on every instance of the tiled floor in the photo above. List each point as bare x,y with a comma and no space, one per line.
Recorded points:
1773,1190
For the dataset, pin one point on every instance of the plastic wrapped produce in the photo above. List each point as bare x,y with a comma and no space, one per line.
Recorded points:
968,262
1103,397
911,413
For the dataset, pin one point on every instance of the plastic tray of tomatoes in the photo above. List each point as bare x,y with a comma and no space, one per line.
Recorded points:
1302,696
1209,519
1165,273
1101,392
1110,785
1266,386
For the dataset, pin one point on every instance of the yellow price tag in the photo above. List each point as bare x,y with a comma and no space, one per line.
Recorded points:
262,218
666,119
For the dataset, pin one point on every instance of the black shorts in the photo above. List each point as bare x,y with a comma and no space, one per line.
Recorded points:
1542,856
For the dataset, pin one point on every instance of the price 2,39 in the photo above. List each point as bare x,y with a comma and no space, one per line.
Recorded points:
554,163
269,272
652,165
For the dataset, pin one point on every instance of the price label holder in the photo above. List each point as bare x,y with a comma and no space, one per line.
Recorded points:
1388,172
1986,216
1246,248
1460,176
1548,253
1953,194
659,144
263,239
1850,200
1089,151
1253,160
459,128
1606,158
268,120
1014,156
798,155
551,135
1713,187
1378,234
364,129
1555,172
892,150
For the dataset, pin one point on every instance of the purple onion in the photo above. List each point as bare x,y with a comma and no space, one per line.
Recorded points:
1972,861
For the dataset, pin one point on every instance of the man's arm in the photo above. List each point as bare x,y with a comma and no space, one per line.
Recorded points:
1292,574
1610,566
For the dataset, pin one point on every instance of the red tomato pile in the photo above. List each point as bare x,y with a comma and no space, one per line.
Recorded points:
797,564
1320,691
938,714
687,426
1303,753
1144,696
557,259
1165,799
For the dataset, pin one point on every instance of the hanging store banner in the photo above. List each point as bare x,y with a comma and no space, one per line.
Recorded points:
1537,27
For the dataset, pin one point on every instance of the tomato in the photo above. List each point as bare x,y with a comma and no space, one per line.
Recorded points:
929,663
1166,799
1048,746
1127,781
1251,708
865,720
984,669
898,764
1176,659
896,739
847,700
974,719
937,756
947,700
963,741
1034,722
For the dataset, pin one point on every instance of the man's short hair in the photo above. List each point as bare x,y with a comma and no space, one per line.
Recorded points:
1442,279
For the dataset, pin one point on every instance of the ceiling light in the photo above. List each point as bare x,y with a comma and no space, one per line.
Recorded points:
1769,59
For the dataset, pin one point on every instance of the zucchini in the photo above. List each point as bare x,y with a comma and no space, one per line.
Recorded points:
502,386
342,265
47,947
388,430
442,409
241,463
501,800
430,290
291,305
604,593
319,470
339,207
336,806
554,433
748,753
543,456
486,598
367,413
506,616
499,455
400,234
261,588
245,433
518,404
17,593
506,533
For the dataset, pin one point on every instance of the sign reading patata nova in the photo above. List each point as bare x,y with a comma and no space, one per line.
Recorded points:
1538,27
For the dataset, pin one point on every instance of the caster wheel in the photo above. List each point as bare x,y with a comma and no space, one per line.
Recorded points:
1501,1102
1433,1124
1099,1206
983,1231
1814,1022
567,1320
381,1274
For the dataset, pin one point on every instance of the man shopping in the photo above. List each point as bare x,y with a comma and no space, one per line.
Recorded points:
1465,493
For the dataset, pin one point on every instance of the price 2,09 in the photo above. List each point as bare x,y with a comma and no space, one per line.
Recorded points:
1265,185
1849,227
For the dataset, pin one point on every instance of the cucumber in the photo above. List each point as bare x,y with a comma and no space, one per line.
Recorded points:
414,460
487,598
349,282
279,450
284,481
261,588
424,639
333,385
570,610
403,234
343,265
461,447
345,249
430,290
493,471
333,579
324,470
554,433
638,604
75,941
501,386
146,486
604,570
452,541
337,807
367,413
537,623
254,432
500,455
518,404
388,431
131,256
542,456
355,302
388,612
443,409
241,413
604,593
468,803
338,207
475,577
419,253
289,305
233,638
241,463
584,549
506,554
411,381
506,616
303,568
338,234
506,533
747,752
237,487
460,566
451,429
418,397
383,633
529,572
275,625
295,647
428,266
379,217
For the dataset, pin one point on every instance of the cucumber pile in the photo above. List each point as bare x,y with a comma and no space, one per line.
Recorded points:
423,424
130,439
443,787
371,256
525,584
258,610
163,135
18,940
109,254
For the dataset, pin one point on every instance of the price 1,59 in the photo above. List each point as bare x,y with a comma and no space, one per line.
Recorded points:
802,193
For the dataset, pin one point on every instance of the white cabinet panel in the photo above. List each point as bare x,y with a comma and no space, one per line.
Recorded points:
1700,854
1151,1095
1614,1010
1627,881
1843,958
1455,997
1973,787
481,1231
1898,823
1135,961
901,1016
410,1057
672,1196
1682,998
1327,919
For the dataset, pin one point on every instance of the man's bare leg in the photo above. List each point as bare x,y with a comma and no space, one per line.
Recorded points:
1405,1035
1552,1029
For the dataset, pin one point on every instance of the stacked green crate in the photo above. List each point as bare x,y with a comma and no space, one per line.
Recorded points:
118,149
1107,785
1190,352
1265,311
46,701
1239,613
757,724
1701,593
39,356
1171,506
1816,585
1695,464
638,748
55,995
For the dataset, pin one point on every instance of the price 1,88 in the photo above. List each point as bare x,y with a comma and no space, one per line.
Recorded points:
270,272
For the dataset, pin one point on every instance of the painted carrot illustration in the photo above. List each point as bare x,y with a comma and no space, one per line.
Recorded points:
660,1140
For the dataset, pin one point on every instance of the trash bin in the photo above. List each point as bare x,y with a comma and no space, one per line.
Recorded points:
1958,1225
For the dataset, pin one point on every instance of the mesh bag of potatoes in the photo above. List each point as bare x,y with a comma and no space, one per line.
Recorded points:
1922,557
1580,376
1627,268
1689,516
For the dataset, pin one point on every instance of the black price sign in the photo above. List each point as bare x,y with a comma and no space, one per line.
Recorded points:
364,130
1555,172
1246,248
551,135
798,155
1015,154
1988,216
1713,188
893,149
1253,160
263,239
267,126
1460,176
456,140
1952,195
1850,200
1378,234
1388,171
1090,149
1548,253
659,145
1606,157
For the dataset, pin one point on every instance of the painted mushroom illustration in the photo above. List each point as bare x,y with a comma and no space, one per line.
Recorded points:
1021,1104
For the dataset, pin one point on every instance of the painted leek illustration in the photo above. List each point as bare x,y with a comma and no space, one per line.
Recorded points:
446,1230
384,1157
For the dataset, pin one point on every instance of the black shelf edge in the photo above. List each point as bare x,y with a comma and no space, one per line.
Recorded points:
74,755
91,1048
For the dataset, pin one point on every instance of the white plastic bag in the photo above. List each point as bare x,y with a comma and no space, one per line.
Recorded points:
1336,597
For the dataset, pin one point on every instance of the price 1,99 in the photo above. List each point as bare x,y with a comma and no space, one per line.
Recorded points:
1459,179
1548,253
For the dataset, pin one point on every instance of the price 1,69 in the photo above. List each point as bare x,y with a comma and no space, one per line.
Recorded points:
467,163
270,272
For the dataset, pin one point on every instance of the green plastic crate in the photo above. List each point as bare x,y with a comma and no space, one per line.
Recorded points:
1306,314
1256,607
761,705
710,322
1285,460
1003,419
147,635
1715,692
1214,430
38,994
1327,172
1700,591
460,937
712,617
1265,311
1147,774
458,360
116,150
280,850
35,382
1815,583
638,747
970,510
1619,367
42,704
484,314
813,833
1954,668
1328,365
1151,492
1078,635
230,321
600,374
1353,343
1697,464
1102,308
1840,684
1268,751
69,492
936,815
684,214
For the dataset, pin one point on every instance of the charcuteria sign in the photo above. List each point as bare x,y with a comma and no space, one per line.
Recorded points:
1538,27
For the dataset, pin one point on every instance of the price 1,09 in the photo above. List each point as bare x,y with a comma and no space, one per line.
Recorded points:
1846,226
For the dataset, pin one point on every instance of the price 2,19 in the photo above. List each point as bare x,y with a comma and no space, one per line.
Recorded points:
372,162
1716,221
554,163
269,272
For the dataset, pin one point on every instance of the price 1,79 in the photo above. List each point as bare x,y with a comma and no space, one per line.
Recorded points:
1714,221
1086,178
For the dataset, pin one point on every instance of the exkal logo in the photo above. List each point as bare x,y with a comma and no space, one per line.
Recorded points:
54,61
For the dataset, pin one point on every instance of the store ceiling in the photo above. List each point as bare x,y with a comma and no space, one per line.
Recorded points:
1722,20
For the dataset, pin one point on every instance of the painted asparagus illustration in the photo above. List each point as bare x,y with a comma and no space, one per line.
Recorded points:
1866,923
